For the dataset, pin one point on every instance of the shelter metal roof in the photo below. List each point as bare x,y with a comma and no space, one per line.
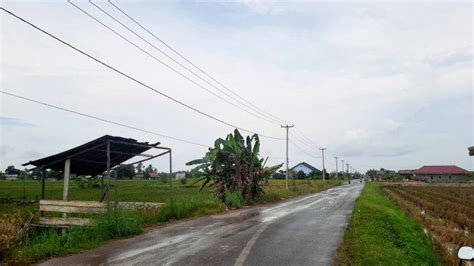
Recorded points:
91,158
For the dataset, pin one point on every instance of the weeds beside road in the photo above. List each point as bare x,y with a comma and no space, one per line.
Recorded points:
188,203
379,233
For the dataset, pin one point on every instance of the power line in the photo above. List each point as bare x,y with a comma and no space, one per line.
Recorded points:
302,150
174,60
195,66
159,61
100,119
132,78
272,120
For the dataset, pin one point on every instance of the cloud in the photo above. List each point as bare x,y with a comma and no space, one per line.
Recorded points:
453,57
366,80
14,122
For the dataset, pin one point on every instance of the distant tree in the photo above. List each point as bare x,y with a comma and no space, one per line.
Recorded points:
300,175
24,174
2,175
53,174
149,169
372,174
126,172
11,170
139,168
326,173
279,175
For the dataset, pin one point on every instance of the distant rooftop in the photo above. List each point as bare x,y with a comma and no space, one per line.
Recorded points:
440,170
307,165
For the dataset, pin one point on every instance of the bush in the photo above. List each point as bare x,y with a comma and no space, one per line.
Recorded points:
233,199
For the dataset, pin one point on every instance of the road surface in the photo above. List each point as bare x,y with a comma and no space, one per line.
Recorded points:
302,231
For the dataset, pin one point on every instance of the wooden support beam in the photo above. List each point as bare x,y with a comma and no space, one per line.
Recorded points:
67,174
65,222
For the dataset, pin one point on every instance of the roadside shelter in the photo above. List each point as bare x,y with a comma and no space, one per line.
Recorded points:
97,157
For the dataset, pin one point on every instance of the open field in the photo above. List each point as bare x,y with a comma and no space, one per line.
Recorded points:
445,211
379,233
188,203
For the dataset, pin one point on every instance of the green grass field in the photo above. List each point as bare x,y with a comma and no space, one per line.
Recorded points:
188,203
380,233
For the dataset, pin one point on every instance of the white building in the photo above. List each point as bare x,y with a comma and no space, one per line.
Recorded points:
306,168
11,177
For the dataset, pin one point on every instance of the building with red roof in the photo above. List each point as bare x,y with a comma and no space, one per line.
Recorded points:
440,173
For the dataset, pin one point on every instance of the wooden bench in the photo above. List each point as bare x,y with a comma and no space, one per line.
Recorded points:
88,207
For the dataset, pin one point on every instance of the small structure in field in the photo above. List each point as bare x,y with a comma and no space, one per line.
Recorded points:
306,168
180,175
97,157
440,174
11,177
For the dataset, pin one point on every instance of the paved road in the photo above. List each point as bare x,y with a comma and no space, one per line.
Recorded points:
302,231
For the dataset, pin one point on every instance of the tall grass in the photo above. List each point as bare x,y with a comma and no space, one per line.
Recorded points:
379,233
48,243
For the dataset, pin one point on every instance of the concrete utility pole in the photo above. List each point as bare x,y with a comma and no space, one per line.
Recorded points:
324,174
342,169
287,161
347,170
336,168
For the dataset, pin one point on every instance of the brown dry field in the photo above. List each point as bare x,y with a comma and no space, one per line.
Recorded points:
446,211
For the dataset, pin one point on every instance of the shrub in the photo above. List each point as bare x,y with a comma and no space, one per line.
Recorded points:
233,199
234,165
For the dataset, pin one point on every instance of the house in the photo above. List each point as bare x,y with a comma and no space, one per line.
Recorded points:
154,175
306,168
405,173
440,174
11,177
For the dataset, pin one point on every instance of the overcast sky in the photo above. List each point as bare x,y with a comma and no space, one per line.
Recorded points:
379,85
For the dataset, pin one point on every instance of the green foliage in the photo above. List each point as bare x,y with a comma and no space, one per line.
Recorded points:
233,199
300,175
11,170
372,174
233,164
125,172
83,183
379,233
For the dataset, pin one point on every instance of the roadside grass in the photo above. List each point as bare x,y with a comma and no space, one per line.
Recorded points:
379,233
187,202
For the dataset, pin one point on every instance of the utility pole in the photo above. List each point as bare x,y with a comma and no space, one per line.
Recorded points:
336,168
324,171
342,169
287,161
347,170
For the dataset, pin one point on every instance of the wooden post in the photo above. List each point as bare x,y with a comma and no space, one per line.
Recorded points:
67,172
108,176
43,177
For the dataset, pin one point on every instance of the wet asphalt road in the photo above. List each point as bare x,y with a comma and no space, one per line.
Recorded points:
303,231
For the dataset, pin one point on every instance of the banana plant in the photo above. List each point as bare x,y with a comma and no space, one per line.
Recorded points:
234,165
